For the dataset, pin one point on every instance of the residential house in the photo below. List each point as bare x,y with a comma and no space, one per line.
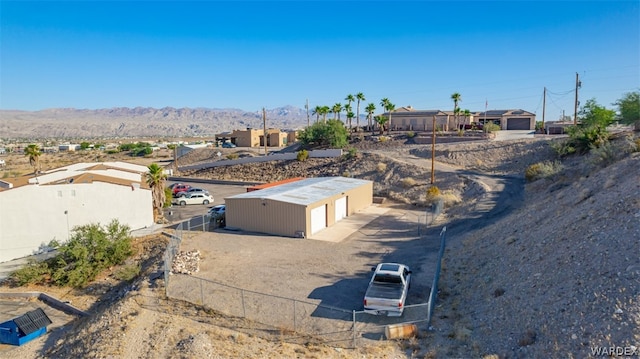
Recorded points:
38,209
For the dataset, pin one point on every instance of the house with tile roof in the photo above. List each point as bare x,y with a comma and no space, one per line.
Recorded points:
407,118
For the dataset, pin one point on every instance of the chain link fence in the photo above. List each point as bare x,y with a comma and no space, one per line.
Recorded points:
293,320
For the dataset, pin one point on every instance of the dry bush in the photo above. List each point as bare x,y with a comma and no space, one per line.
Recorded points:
408,182
433,193
346,174
450,198
232,156
542,170
381,167
302,155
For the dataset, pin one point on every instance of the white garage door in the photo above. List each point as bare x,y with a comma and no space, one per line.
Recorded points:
341,208
318,218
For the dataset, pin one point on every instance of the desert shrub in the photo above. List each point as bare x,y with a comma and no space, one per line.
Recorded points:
631,144
604,155
302,155
411,134
128,272
460,133
381,167
433,193
331,133
168,195
346,174
408,182
232,156
450,198
491,127
112,151
583,139
91,249
33,272
351,153
542,170
383,138
563,148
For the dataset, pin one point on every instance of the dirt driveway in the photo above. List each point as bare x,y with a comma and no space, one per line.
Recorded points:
330,274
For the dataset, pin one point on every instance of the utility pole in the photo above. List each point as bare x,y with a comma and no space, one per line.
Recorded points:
575,112
307,107
264,130
433,152
544,104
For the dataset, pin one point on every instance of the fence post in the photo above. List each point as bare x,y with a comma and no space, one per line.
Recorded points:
436,277
201,293
244,313
354,329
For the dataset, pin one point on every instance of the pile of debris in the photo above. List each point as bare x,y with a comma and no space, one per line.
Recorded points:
186,262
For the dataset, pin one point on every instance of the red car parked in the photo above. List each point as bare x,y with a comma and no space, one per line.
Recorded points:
180,188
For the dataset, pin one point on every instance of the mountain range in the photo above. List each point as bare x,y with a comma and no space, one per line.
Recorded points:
123,122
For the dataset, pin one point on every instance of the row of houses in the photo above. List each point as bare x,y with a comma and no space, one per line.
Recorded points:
38,209
408,118
253,137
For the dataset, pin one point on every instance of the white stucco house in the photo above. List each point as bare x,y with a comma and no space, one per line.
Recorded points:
37,209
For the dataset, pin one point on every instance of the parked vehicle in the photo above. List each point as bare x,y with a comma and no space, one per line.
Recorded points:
228,145
194,198
180,188
191,190
216,211
388,289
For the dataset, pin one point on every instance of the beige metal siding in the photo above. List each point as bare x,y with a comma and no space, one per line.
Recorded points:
265,216
357,199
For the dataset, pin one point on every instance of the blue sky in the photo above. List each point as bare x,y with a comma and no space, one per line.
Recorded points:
250,55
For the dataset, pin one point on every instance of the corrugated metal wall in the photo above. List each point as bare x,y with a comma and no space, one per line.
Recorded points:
285,219
265,216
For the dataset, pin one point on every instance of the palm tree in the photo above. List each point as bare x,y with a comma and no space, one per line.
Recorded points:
456,97
350,116
33,152
359,97
156,179
317,111
466,113
336,109
371,108
325,112
381,120
388,106
350,98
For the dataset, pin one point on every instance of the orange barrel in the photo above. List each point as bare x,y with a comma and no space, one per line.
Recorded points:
401,331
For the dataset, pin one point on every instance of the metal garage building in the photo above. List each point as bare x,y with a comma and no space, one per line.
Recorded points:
298,209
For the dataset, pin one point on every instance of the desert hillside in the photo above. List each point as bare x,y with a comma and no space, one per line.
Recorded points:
552,272
167,122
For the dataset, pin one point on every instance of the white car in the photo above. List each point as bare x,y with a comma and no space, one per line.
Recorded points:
193,198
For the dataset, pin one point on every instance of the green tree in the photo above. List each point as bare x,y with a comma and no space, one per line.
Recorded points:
371,108
350,98
381,121
33,152
325,112
331,133
456,97
359,97
84,145
388,107
629,108
593,114
317,111
156,179
336,109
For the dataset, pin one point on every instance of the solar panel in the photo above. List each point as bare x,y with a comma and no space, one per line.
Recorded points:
32,321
